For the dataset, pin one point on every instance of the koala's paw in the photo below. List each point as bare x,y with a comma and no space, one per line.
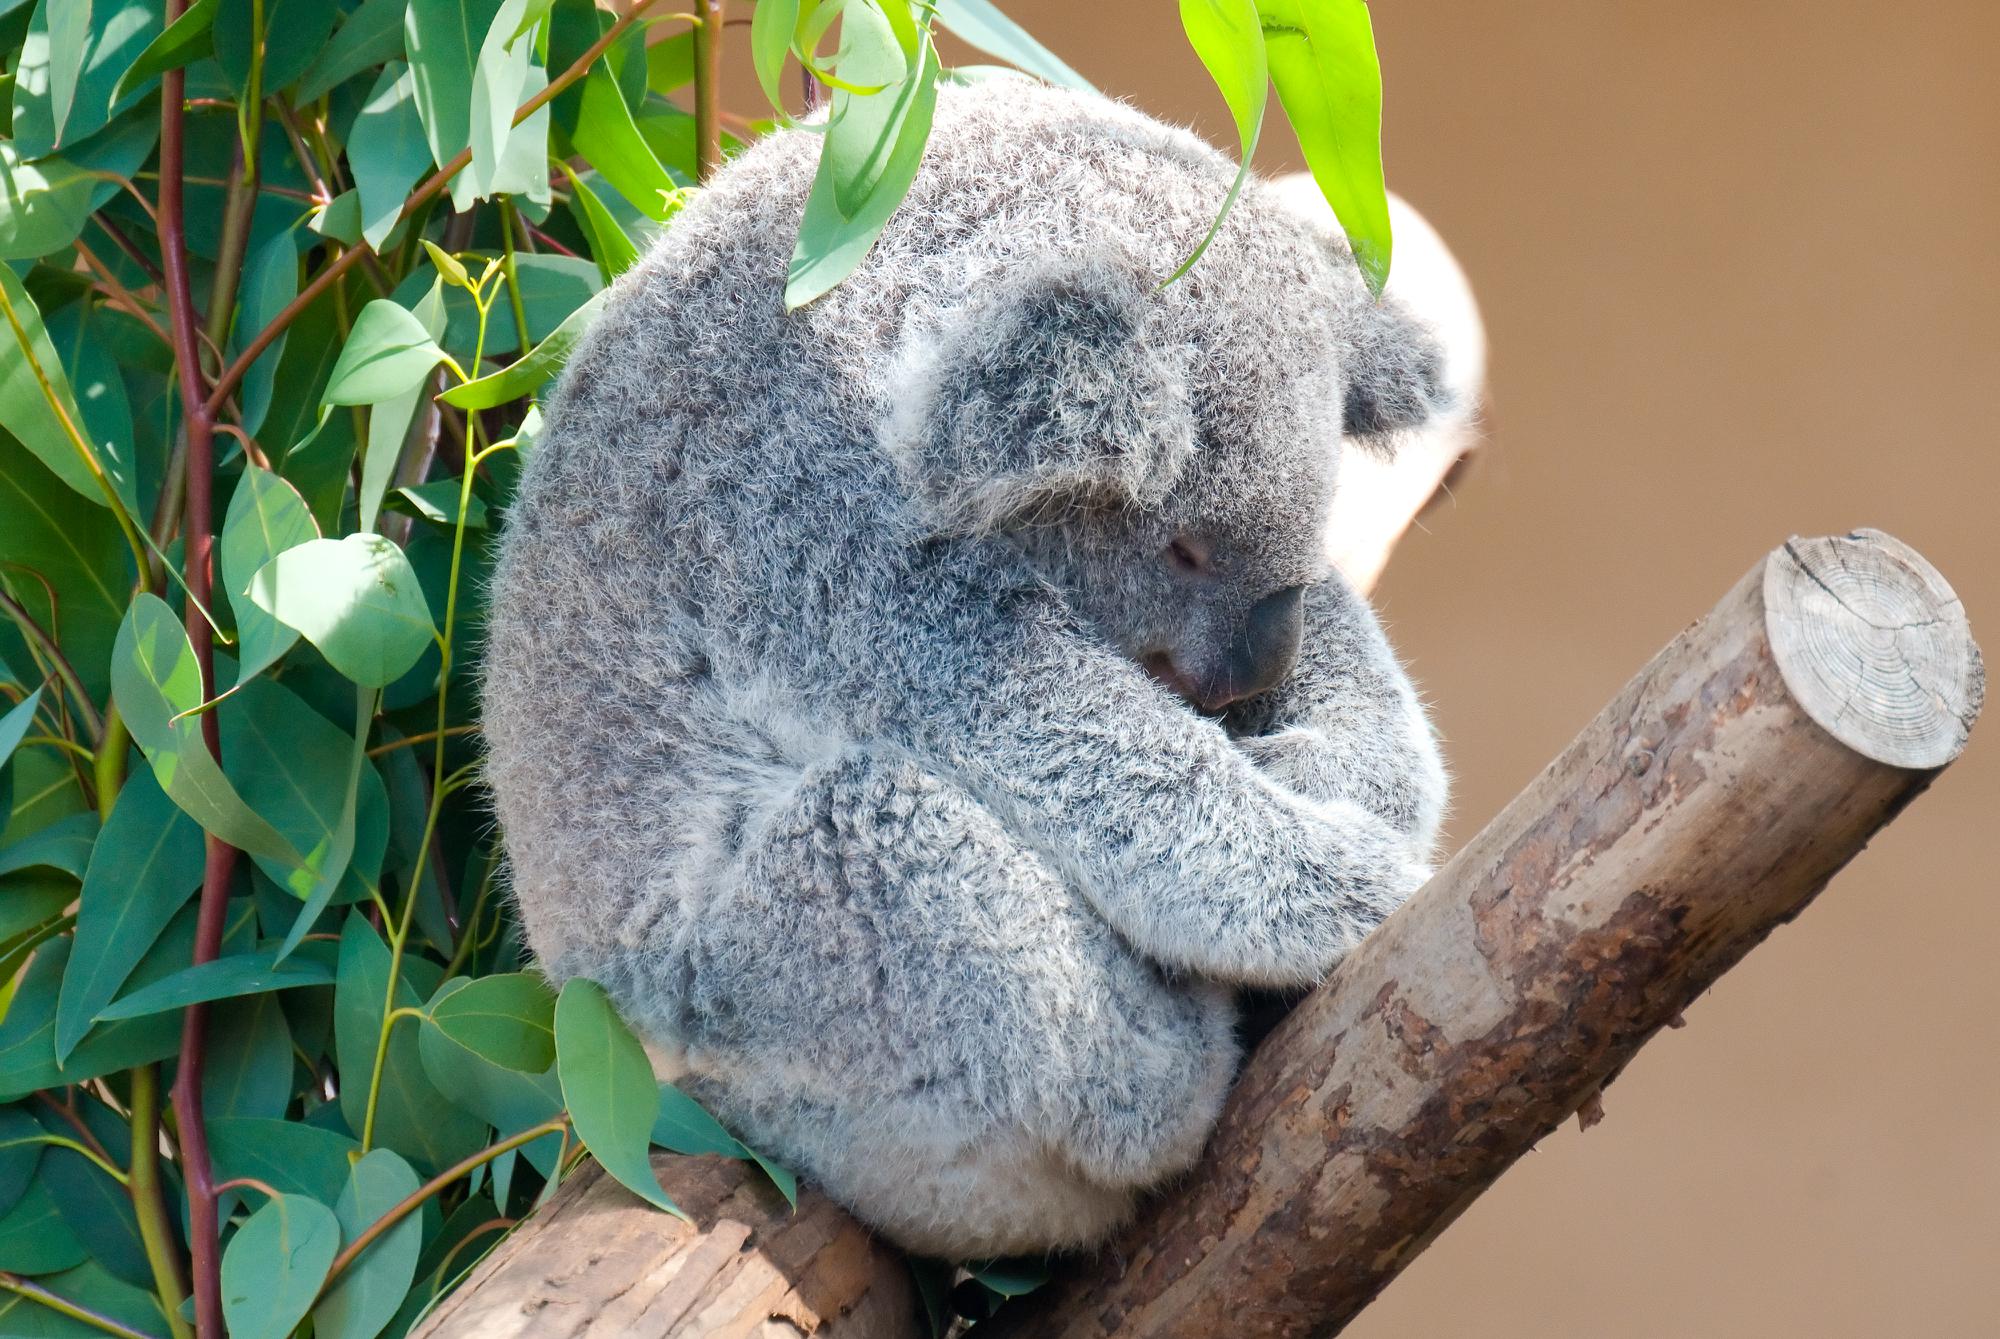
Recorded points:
1295,760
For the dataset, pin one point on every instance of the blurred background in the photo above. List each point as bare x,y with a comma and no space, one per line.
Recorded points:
1738,266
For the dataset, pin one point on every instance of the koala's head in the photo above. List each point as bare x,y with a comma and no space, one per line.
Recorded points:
1166,457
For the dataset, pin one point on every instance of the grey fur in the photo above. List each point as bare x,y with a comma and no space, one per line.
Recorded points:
813,697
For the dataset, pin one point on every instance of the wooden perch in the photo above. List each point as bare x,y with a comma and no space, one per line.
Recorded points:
1704,807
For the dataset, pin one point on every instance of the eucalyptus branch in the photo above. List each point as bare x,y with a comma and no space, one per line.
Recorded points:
435,183
44,643
149,1200
197,530
708,88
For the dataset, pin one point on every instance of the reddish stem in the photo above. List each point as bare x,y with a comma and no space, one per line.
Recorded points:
197,533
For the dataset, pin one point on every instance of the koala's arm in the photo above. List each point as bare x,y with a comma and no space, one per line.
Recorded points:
1200,860
1346,723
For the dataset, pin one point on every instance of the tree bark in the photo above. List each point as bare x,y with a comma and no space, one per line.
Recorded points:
597,1261
1704,807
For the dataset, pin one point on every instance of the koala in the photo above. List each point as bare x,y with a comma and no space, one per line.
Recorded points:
924,712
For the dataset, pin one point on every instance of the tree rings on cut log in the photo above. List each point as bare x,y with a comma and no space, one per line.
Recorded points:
1875,646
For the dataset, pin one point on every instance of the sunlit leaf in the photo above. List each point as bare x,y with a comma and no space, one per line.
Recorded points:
274,1265
115,33
155,679
437,502
609,246
74,545
24,406
529,374
770,42
388,353
1227,37
609,1088
609,139
442,38
864,130
266,517
356,599
1322,57
982,25
499,77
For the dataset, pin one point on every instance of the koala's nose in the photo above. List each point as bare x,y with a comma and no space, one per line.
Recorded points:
1263,654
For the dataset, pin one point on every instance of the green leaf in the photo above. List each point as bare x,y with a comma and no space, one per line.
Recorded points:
356,599
685,1126
186,40
71,543
412,1116
609,246
369,1291
266,517
372,34
507,1019
499,78
15,724
771,29
670,62
20,1151
608,137
142,871
96,1207
24,407
67,23
88,1285
864,130
506,1099
79,334
249,1069
447,265
27,1036
609,1088
155,680
270,282
442,38
311,781
1012,1277
64,845
1227,37
832,245
529,374
294,33
437,501
274,1265
33,1237
1322,57
982,25
388,353
292,1158
221,979
118,31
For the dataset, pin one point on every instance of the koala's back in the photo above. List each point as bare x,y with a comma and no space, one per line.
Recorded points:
706,512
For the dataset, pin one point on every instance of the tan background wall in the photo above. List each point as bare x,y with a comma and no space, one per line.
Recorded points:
1739,268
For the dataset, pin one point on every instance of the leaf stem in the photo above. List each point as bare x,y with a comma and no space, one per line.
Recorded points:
148,1199
414,1200
35,1292
436,182
707,88
46,644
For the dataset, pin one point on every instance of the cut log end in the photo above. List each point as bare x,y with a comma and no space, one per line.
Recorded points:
1875,646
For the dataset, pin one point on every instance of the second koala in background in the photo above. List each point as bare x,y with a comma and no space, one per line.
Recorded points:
925,711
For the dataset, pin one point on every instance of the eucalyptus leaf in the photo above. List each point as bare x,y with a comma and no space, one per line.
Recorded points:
220,979
186,40
356,599
20,1152
64,844
96,1207
528,375
146,864
609,1088
982,24
388,353
371,35
249,1069
294,32
266,517
25,410
73,544
442,38
291,1157
270,282
33,1237
1322,58
609,246
609,139
156,681
15,724
116,32
367,1294
770,42
273,1267
508,1019
1229,38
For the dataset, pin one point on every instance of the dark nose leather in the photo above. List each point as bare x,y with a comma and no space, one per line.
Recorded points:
1263,654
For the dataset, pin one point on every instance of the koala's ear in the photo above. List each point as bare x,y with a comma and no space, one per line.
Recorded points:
1394,368
1051,386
